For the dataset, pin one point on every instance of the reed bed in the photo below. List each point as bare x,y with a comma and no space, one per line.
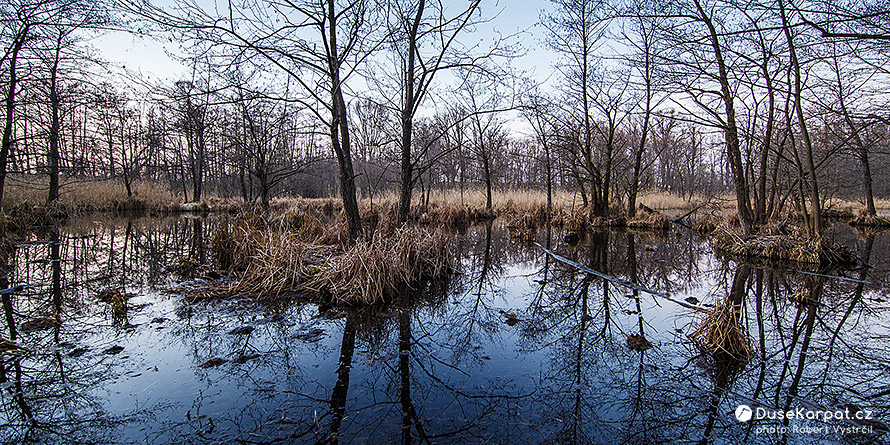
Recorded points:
82,195
780,242
666,200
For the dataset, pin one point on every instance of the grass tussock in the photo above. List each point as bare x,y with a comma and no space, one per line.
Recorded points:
650,220
282,263
375,271
294,253
870,221
780,242
721,333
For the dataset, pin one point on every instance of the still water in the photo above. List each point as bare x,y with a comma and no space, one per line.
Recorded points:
515,348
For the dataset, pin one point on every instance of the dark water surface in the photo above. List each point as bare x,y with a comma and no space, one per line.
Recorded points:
443,365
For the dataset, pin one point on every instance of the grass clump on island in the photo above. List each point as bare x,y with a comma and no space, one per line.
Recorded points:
870,221
295,253
780,242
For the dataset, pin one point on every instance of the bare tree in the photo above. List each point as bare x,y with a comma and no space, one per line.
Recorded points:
574,31
317,44
423,39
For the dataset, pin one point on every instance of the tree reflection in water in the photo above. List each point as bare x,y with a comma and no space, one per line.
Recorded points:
440,363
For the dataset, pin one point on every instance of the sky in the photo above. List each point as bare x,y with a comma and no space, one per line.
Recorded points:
154,58
151,56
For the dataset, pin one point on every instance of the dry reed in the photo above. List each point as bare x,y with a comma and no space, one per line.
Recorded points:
704,226
79,195
375,271
720,332
294,253
654,220
780,242
870,221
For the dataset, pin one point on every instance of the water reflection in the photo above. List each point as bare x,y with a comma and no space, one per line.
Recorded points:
516,347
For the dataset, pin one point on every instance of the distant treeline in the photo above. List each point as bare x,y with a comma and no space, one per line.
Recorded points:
781,102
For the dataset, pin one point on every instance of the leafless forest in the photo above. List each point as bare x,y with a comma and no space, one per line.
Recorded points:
779,103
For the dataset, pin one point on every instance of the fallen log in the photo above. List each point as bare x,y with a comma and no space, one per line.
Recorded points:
616,280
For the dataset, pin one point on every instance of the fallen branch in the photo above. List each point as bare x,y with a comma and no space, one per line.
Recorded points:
616,280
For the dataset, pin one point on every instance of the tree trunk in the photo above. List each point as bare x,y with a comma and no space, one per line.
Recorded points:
54,101
547,168
815,202
407,173
341,142
760,203
486,168
6,148
731,132
861,149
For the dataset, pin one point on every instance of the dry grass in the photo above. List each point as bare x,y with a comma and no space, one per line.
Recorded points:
720,332
507,201
232,242
282,263
85,195
870,221
293,253
704,226
781,242
665,200
20,219
378,270
654,220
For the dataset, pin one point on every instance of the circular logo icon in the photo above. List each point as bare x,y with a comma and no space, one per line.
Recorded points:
743,413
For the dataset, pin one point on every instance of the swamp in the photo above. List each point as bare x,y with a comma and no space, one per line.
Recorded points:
476,221
512,346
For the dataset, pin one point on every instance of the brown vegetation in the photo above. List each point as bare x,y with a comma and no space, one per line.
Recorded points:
382,268
870,221
720,332
650,220
638,342
294,253
83,195
116,300
782,242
